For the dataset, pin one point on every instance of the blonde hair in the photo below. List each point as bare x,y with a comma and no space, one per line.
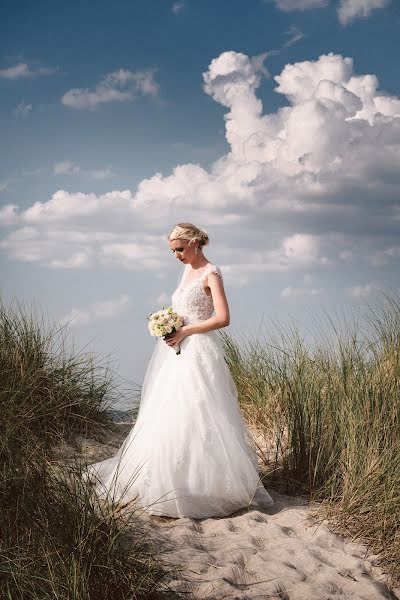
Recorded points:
189,232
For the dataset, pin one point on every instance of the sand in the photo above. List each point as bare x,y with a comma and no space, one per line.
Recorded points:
278,553
281,552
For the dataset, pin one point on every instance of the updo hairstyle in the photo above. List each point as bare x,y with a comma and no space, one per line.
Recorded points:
189,232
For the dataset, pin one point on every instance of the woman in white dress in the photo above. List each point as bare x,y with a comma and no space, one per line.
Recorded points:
189,453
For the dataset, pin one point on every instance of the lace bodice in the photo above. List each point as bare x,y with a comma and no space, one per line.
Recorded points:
190,299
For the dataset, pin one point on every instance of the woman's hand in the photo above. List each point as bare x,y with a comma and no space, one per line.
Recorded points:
175,338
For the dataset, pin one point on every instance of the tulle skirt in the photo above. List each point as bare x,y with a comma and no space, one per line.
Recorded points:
189,453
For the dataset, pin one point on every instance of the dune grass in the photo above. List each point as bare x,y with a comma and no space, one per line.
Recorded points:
329,419
57,540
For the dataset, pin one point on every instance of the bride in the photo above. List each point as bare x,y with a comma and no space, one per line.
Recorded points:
189,453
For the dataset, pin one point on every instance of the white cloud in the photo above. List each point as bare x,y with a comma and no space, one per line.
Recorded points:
69,248
61,207
31,172
119,86
289,5
131,255
15,72
349,10
64,206
23,70
357,291
306,290
364,248
163,299
78,260
5,184
177,7
23,109
68,167
292,291
8,214
301,248
55,248
382,257
295,35
101,173
307,186
101,310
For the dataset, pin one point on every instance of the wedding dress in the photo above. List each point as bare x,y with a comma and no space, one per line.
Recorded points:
189,452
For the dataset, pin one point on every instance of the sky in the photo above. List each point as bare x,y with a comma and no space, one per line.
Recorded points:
274,125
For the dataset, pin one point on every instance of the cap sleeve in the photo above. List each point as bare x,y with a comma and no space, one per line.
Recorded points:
214,269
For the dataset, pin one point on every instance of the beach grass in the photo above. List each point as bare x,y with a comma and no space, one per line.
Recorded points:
57,540
327,418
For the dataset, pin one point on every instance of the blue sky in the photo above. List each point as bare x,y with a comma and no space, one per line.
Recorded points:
272,124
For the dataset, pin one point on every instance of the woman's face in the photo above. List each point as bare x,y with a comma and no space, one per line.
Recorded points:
182,250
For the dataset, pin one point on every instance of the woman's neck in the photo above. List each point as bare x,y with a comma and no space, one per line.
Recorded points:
199,263
199,266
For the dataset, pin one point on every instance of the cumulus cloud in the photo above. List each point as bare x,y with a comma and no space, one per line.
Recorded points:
55,248
23,70
101,310
290,5
122,85
77,242
64,206
314,184
302,248
349,10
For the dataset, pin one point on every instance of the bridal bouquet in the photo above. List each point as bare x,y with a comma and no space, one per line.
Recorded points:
164,322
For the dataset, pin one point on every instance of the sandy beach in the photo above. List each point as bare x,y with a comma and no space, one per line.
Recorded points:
282,552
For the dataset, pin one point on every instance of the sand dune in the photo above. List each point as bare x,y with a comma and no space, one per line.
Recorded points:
277,553
274,554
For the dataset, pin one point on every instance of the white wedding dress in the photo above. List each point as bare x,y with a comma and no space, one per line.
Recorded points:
189,453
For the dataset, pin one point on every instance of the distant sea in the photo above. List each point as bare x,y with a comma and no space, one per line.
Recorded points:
122,416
